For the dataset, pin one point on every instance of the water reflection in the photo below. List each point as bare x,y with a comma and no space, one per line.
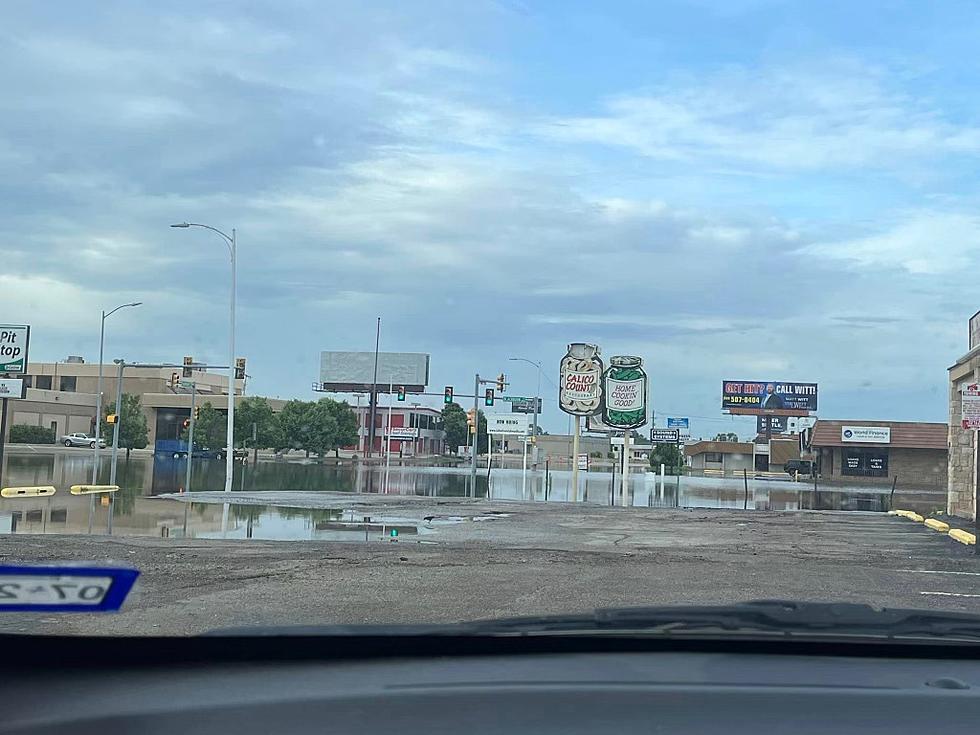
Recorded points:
140,478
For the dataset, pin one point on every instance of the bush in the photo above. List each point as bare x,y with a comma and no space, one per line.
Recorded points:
26,434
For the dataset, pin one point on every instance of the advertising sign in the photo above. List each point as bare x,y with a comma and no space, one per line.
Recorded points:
776,424
353,372
580,391
970,411
975,330
583,462
12,388
405,433
679,423
665,436
508,423
866,434
14,341
625,393
865,462
763,396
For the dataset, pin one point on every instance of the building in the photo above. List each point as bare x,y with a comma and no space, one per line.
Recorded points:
876,452
63,396
772,455
720,456
416,430
963,449
557,448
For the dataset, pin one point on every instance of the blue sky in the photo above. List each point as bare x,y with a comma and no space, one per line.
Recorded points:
732,190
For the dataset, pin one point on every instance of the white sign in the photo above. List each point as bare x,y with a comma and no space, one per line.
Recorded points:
14,340
583,462
970,412
866,434
11,387
403,432
508,423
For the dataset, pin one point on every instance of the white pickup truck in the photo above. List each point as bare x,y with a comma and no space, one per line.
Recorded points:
81,439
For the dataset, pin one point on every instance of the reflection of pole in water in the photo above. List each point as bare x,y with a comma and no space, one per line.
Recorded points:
224,518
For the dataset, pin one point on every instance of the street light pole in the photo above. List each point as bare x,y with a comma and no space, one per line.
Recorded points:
231,242
537,406
98,400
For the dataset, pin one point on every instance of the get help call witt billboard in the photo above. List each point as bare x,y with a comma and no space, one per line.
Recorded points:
761,396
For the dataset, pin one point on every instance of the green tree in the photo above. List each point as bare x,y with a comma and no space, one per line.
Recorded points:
346,423
454,424
256,411
210,428
293,425
133,433
726,437
669,455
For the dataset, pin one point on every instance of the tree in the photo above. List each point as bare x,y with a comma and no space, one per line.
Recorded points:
133,432
726,437
316,427
210,428
256,411
669,455
454,424
293,425
346,423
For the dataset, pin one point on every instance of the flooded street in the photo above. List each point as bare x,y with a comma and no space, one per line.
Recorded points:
139,512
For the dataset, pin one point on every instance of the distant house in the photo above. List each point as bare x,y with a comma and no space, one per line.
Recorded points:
724,456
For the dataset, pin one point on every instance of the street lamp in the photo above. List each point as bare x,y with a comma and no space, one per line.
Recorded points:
232,250
537,402
98,400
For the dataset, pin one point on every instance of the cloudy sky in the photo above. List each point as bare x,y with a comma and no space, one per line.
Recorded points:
743,189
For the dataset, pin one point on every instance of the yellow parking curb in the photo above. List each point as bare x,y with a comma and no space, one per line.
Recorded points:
937,525
964,537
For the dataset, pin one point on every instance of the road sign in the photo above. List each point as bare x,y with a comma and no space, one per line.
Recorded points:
583,462
970,412
403,433
12,388
524,405
14,342
508,423
665,436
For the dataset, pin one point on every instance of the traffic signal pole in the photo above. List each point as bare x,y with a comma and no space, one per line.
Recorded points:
476,432
190,440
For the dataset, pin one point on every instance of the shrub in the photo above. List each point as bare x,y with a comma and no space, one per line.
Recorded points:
26,434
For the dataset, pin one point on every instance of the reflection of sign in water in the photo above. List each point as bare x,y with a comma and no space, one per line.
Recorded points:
665,436
970,410
867,434
768,395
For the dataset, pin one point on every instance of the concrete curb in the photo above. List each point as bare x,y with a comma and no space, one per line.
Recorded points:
936,525
911,515
964,537
958,534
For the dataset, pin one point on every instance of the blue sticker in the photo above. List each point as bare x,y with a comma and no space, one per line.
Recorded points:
64,588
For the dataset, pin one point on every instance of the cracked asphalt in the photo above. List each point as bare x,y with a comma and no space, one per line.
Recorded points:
502,558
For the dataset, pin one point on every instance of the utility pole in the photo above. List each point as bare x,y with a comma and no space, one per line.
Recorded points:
115,440
476,432
373,401
190,440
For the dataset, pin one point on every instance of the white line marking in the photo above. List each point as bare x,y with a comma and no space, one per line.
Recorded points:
935,571
948,594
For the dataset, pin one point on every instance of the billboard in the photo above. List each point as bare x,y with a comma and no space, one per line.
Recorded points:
508,423
580,390
353,372
624,393
665,436
679,423
768,396
775,424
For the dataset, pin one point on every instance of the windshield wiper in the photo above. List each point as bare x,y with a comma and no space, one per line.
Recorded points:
756,618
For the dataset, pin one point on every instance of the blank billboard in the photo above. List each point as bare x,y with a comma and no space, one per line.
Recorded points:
354,371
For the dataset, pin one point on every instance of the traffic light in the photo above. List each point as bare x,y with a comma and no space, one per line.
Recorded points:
471,420
110,418
174,381
501,382
197,412
449,394
188,361
239,368
401,392
488,399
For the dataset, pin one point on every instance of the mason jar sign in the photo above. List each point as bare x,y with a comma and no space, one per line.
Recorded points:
581,380
625,389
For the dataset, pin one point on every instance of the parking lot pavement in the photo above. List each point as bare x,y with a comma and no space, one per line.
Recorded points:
527,559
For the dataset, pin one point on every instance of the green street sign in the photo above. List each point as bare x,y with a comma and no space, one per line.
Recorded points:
513,399
14,341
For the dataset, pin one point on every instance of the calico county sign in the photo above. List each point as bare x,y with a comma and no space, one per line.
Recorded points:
970,411
14,340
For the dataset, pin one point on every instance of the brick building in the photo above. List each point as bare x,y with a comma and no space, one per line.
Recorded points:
962,442
876,452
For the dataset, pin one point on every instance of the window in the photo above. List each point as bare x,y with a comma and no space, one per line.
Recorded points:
864,462
68,383
714,457
29,381
43,382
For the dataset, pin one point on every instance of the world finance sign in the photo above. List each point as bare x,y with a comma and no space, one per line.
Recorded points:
768,395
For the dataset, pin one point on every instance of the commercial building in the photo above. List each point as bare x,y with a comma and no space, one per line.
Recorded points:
876,452
63,396
720,456
416,430
557,448
963,449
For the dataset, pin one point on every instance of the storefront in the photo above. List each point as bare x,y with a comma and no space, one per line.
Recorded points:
880,451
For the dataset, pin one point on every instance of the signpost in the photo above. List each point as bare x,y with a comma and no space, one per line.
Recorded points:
507,423
625,404
15,339
580,392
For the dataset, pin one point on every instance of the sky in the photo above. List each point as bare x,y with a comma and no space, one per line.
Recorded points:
740,190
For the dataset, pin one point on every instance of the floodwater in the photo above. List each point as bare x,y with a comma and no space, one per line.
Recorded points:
138,512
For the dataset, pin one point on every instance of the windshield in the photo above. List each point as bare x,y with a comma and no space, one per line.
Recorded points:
397,313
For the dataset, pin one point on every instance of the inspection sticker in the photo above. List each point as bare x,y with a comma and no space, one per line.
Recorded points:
39,588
